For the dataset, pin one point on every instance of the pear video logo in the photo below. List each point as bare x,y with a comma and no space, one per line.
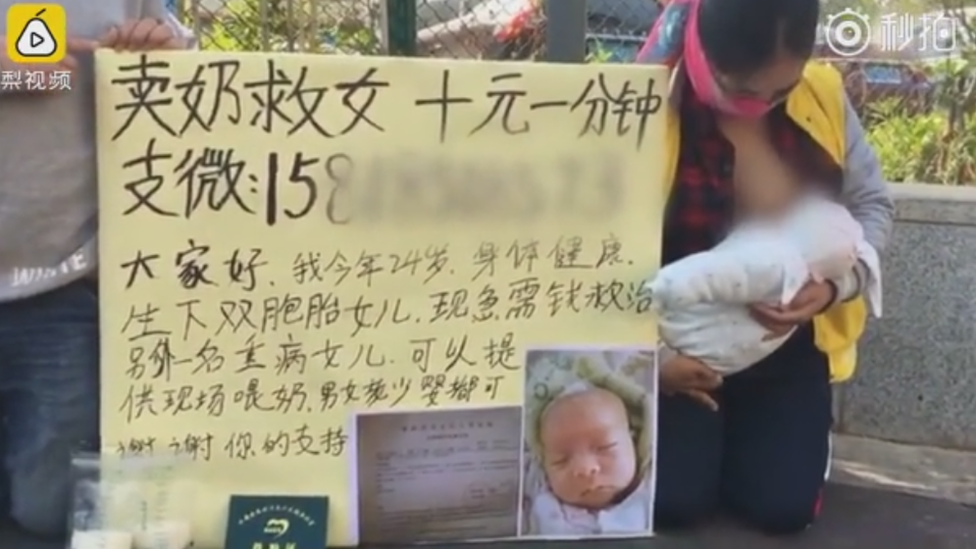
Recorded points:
37,40
36,33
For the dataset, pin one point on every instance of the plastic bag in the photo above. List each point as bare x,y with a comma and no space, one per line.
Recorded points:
88,522
130,503
702,300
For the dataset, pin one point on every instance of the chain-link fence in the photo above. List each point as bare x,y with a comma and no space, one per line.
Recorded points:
315,26
920,116
479,29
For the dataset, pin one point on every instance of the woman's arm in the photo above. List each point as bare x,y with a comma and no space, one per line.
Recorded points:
867,196
865,191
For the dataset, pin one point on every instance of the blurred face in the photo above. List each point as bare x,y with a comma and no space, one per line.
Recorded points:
589,454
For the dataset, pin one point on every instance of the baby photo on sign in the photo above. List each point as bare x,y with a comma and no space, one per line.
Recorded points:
590,434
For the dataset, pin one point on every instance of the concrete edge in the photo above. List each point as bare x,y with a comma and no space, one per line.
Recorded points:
934,204
937,473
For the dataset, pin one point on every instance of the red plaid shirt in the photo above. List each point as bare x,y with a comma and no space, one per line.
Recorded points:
701,206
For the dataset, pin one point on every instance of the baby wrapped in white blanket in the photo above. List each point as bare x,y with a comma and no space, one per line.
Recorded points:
702,300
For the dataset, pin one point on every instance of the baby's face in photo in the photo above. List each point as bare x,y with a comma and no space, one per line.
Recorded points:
589,454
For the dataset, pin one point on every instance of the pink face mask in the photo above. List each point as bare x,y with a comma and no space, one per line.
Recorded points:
699,72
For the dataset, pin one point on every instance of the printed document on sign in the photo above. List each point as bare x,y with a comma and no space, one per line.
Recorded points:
438,475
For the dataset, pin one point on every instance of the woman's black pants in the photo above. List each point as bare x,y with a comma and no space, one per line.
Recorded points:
762,458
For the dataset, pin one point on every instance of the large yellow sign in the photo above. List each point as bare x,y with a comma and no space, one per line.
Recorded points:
293,244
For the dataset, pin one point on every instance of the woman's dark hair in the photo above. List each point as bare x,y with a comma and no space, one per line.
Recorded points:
741,36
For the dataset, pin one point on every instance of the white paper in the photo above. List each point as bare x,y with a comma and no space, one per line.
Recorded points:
438,476
170,534
101,539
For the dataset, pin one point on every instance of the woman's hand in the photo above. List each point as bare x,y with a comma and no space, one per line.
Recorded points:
143,35
811,300
687,376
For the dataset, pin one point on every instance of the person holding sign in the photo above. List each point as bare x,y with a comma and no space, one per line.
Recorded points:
49,355
754,123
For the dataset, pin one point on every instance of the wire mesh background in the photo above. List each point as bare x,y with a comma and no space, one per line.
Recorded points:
445,28
879,87
472,29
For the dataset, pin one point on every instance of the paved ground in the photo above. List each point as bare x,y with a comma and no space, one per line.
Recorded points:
867,511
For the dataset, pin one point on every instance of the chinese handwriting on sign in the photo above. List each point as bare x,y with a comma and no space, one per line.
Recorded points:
182,181
327,236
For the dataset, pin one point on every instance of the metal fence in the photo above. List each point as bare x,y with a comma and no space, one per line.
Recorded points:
555,30
561,30
913,114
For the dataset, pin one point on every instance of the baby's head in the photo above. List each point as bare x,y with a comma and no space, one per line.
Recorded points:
588,449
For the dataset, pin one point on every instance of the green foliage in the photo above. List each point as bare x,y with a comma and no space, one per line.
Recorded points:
598,54
907,145
937,145
282,25
918,148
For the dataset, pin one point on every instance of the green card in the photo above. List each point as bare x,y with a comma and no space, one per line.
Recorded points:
277,522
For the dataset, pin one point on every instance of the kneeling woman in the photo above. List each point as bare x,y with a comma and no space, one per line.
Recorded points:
753,122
